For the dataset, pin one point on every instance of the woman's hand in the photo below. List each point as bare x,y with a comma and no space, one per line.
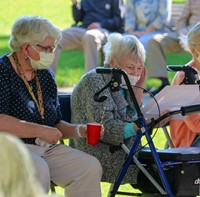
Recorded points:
178,78
50,135
83,131
74,2
162,122
141,81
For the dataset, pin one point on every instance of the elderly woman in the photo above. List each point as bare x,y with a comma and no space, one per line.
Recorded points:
127,53
17,172
186,132
30,110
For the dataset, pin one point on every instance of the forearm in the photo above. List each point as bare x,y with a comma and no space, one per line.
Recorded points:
68,130
19,128
77,12
116,21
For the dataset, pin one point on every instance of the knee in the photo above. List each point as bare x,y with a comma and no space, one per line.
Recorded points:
152,42
92,166
42,173
89,37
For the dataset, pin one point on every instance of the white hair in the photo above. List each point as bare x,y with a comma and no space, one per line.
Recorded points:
17,173
191,38
118,46
32,29
194,35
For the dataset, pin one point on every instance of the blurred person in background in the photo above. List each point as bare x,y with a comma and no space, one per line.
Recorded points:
94,20
170,42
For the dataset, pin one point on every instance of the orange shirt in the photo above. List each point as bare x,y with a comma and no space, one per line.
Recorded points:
184,131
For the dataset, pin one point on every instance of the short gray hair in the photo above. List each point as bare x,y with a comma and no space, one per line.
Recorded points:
32,29
118,46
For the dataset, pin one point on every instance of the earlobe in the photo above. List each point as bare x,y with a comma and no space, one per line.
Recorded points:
113,63
25,47
193,51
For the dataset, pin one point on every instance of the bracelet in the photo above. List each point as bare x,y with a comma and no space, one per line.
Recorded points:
77,130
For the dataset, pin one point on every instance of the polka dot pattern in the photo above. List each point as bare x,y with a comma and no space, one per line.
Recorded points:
16,101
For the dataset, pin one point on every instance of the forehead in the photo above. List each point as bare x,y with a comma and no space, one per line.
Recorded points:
48,41
131,58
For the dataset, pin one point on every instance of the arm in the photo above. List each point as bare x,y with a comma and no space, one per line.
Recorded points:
162,18
130,18
77,12
85,109
69,130
23,129
193,122
182,22
117,19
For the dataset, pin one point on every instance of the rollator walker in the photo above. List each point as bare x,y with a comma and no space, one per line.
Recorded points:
169,172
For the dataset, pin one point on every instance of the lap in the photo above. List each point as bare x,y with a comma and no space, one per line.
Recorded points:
64,163
72,37
169,42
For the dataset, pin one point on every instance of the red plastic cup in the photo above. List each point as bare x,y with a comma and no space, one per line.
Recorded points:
93,133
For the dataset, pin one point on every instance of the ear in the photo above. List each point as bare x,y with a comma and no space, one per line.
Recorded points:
25,49
112,62
193,51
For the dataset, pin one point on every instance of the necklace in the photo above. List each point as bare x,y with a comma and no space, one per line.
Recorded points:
39,102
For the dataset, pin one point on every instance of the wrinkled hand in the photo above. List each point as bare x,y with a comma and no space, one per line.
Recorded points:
94,26
141,81
74,2
138,34
83,131
51,135
178,78
162,122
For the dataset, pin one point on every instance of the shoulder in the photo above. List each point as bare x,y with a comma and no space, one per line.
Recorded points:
5,65
90,82
90,77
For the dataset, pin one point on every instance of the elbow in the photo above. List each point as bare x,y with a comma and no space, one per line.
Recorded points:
3,118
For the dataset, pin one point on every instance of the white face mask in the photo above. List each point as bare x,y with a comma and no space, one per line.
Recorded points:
133,80
46,59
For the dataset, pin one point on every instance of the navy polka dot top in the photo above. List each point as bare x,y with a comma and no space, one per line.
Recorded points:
16,101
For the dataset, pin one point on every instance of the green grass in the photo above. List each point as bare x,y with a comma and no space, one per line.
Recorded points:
71,65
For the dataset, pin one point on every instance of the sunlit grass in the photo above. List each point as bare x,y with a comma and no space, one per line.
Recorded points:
71,65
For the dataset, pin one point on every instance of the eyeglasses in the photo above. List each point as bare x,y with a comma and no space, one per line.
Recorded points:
49,49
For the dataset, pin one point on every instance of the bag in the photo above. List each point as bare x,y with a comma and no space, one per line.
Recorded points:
182,171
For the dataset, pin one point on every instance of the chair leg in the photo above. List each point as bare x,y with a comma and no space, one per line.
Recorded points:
53,190
169,143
